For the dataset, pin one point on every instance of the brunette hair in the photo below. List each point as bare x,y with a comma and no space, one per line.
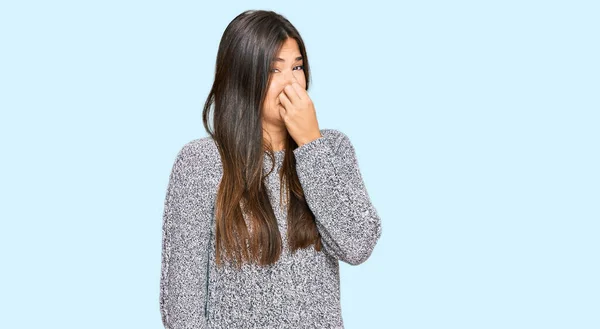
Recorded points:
242,77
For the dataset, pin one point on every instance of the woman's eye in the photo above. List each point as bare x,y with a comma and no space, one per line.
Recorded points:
300,66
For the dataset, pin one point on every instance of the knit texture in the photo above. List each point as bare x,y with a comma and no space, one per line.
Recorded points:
300,290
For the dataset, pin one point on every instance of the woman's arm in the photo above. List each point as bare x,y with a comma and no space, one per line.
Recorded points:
336,194
185,239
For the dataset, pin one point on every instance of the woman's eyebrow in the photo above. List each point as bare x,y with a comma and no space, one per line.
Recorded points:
283,60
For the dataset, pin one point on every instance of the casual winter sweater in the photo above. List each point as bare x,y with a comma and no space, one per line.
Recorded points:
300,290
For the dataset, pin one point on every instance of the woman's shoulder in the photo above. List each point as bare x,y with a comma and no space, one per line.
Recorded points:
199,153
199,146
204,151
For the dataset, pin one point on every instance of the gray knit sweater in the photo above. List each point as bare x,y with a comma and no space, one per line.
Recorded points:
300,290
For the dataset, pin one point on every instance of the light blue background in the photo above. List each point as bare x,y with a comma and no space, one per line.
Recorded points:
476,125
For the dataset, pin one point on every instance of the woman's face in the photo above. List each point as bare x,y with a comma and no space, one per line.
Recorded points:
286,68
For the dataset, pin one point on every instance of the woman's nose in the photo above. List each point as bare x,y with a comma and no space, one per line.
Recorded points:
289,78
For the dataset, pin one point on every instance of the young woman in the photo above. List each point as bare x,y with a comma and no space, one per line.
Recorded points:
258,214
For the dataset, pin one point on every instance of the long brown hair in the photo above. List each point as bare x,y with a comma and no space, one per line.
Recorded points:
242,77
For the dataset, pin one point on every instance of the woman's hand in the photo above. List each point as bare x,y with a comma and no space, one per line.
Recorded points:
298,114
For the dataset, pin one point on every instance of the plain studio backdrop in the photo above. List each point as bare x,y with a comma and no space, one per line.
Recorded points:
476,126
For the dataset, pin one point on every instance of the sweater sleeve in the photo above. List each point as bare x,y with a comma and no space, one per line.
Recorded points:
185,237
336,194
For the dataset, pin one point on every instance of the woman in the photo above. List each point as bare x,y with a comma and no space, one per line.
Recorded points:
222,195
